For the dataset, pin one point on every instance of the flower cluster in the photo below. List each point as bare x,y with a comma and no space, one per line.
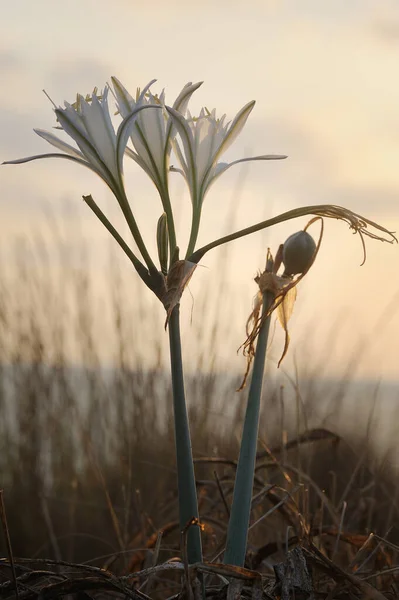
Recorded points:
154,129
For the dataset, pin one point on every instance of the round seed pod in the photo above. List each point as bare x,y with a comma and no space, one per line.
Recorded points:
298,252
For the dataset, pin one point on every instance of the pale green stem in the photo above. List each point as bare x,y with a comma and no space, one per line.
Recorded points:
131,221
194,232
138,265
356,222
188,504
167,206
237,533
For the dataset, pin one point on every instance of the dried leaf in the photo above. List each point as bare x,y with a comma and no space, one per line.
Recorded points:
176,281
284,312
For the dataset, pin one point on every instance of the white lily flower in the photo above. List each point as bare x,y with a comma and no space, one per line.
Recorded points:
153,131
204,140
101,149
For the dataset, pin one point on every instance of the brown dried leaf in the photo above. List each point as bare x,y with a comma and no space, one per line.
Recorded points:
284,312
176,281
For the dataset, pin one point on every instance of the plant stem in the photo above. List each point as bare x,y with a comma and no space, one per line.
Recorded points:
194,232
188,505
171,224
356,222
138,265
237,533
131,221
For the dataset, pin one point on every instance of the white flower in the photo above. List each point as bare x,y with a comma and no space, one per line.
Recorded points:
88,123
204,140
153,131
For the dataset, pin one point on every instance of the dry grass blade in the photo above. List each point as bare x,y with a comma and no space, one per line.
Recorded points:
320,560
6,532
280,503
358,223
313,435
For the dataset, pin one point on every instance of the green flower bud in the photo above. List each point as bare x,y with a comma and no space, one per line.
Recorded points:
298,253
163,243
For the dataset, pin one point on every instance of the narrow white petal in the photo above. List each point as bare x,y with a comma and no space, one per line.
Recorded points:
186,136
235,128
99,127
138,159
145,90
180,105
220,168
189,165
206,144
180,157
82,162
82,141
74,116
125,130
141,146
182,100
152,127
55,141
124,100
173,169
261,157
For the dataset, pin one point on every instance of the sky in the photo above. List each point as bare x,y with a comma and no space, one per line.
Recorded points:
323,75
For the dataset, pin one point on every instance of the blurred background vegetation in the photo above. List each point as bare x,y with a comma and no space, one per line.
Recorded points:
87,450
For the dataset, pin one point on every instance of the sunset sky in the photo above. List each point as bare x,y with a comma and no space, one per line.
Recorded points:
325,79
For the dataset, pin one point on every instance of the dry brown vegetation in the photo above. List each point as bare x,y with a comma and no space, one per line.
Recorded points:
88,470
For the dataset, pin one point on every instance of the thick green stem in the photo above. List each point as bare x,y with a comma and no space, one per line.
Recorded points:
131,221
237,533
194,232
138,265
167,206
188,504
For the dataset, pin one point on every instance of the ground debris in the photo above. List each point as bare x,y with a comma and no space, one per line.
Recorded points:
292,577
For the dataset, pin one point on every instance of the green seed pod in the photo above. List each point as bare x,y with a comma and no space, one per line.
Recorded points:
298,253
163,243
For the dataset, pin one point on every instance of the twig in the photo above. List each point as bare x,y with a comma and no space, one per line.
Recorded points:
221,492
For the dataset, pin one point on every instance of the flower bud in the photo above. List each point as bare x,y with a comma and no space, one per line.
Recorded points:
163,242
298,253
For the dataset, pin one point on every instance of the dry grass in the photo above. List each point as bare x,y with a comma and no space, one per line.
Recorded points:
87,459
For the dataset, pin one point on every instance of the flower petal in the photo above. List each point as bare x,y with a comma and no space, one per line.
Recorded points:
235,128
141,162
173,169
152,133
55,141
145,90
124,100
221,168
97,121
124,130
182,100
180,105
189,165
73,129
20,161
206,144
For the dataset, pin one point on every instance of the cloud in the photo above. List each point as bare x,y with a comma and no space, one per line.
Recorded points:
69,76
